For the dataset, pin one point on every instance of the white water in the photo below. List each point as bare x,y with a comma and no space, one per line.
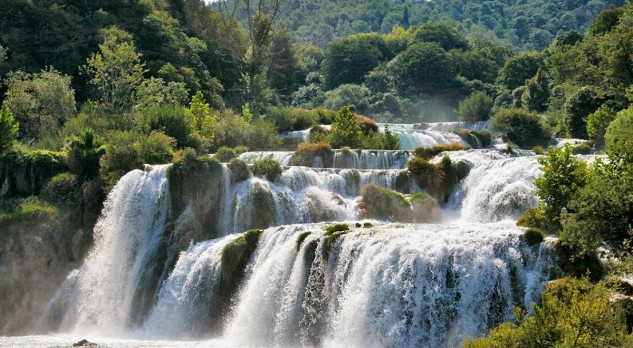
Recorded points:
102,291
426,285
391,285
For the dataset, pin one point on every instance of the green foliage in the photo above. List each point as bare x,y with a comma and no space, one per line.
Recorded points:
598,122
430,152
268,168
30,170
578,107
83,155
336,228
224,154
307,152
170,119
517,70
8,129
521,126
619,138
537,92
447,37
40,102
563,176
201,120
116,71
533,236
156,91
476,107
590,320
426,59
349,60
29,209
346,130
535,217
64,190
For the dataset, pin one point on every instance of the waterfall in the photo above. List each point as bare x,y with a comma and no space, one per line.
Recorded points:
380,284
498,187
103,292
391,285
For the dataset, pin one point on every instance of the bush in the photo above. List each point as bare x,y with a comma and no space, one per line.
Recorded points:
239,170
619,138
8,129
318,134
171,120
157,148
224,154
430,152
533,236
468,137
367,125
64,189
83,155
346,130
522,127
590,320
31,208
268,168
535,217
598,123
484,137
476,107
307,152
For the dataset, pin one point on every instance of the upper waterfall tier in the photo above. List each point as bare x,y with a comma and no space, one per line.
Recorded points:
344,159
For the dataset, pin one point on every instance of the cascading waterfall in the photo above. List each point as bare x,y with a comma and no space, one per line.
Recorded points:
385,284
392,285
102,293
498,187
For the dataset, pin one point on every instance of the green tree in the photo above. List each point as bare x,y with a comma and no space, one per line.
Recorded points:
447,37
155,91
201,118
537,92
521,126
519,69
116,71
476,107
283,65
40,102
563,176
8,129
619,138
598,122
349,60
577,108
426,59
346,130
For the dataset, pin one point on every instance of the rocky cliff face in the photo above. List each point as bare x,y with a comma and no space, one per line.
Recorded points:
36,255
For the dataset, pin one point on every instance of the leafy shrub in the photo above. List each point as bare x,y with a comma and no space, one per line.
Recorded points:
31,208
484,137
534,217
171,120
590,320
367,125
430,152
619,137
307,152
539,150
224,154
468,137
318,134
157,148
63,188
8,129
268,168
533,236
239,170
522,127
83,155
476,107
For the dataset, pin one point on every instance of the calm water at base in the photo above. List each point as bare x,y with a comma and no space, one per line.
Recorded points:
62,341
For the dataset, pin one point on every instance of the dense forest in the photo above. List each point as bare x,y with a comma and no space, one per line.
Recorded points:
93,89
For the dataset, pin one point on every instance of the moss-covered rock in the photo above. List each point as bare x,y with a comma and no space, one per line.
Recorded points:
239,170
381,203
267,168
301,238
425,208
533,236
307,152
264,210
28,172
195,182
